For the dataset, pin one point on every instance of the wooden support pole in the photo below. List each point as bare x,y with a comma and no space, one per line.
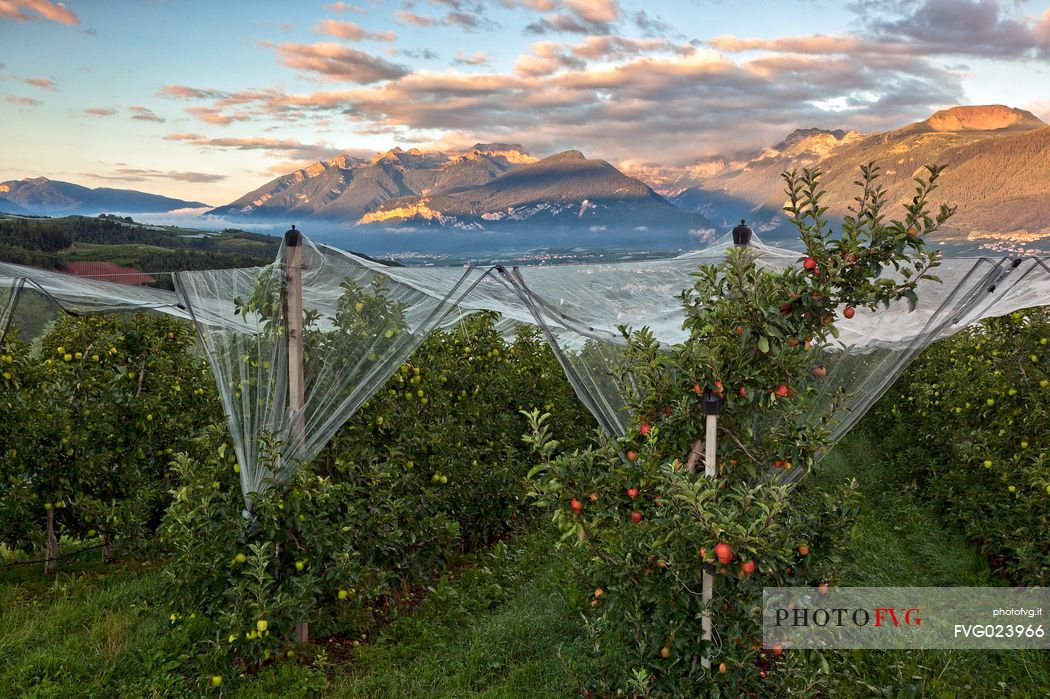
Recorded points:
293,298
712,406
51,559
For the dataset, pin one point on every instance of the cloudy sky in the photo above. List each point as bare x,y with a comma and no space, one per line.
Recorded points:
208,100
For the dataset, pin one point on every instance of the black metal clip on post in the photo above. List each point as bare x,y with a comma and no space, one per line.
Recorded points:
292,237
742,234
710,403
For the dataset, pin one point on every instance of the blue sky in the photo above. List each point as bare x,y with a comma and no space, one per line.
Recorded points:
208,100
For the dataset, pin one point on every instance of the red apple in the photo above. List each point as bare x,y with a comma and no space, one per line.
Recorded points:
803,549
848,312
748,568
696,389
724,552
645,429
632,493
577,506
636,517
809,263
781,391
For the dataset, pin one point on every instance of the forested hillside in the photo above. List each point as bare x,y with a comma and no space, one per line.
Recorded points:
52,243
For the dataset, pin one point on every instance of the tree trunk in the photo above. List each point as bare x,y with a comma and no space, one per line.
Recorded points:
51,560
107,549
694,456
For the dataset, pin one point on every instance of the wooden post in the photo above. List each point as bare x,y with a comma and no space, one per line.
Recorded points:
712,407
293,298
51,559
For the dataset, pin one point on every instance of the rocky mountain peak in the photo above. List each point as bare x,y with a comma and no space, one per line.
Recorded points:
564,157
990,117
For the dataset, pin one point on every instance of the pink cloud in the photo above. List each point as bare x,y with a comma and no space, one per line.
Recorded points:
100,111
351,31
405,17
25,101
595,11
212,115
478,59
334,61
42,83
277,147
29,10
341,7
185,92
143,114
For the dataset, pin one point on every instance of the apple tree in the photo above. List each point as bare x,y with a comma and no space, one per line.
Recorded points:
101,404
646,519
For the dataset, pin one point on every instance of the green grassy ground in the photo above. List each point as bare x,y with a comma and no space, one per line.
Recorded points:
497,629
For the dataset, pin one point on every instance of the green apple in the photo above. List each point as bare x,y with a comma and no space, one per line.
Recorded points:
261,625
987,463
240,558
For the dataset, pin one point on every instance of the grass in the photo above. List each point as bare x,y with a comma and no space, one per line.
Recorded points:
499,628
898,541
91,630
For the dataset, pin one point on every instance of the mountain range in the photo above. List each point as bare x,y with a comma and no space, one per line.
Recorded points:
43,197
486,187
997,158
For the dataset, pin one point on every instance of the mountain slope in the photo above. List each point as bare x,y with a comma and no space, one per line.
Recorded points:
565,189
42,196
9,207
346,188
997,158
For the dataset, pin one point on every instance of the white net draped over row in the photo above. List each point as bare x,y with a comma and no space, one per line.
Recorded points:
364,318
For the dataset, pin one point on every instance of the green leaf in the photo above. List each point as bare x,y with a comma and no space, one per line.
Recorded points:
912,298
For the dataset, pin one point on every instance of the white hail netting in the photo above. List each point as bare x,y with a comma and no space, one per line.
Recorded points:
365,318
